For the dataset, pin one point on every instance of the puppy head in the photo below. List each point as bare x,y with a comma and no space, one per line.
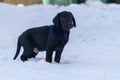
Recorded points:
65,20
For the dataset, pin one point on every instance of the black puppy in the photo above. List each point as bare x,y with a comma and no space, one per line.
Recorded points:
47,38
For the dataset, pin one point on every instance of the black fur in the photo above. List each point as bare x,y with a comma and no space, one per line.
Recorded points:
47,38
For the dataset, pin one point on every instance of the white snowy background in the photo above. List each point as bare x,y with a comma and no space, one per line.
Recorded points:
92,53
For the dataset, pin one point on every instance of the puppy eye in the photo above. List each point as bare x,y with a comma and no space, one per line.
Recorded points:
63,19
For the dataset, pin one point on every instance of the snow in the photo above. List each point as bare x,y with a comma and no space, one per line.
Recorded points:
92,53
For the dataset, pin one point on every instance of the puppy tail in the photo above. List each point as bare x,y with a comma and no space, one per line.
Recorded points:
18,50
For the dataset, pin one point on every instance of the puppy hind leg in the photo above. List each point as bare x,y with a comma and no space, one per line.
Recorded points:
27,53
24,58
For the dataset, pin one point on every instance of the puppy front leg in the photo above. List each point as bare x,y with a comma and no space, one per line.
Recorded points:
58,55
49,54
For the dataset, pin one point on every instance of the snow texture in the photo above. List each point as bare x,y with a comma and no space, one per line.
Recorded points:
92,53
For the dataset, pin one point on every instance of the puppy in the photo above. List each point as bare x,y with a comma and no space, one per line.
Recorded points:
47,38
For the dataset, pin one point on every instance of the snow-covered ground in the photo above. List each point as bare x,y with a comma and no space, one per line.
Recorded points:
92,53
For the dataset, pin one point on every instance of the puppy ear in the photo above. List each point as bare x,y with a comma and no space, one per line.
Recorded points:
56,20
74,22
